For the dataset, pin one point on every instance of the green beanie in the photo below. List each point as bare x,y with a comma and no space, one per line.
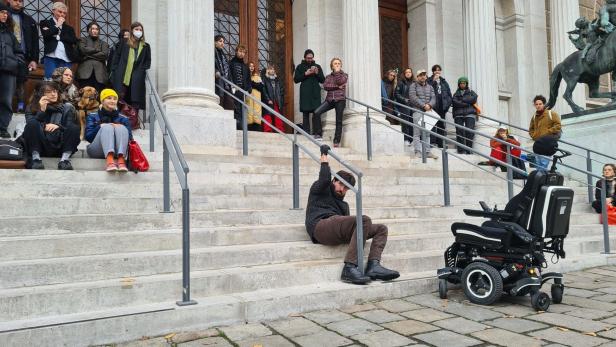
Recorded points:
463,79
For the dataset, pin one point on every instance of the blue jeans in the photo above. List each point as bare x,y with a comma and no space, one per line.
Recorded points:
52,64
542,162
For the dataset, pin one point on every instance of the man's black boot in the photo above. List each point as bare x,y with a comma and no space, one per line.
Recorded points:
376,271
351,274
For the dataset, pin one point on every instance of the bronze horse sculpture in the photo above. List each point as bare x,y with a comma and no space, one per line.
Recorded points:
575,70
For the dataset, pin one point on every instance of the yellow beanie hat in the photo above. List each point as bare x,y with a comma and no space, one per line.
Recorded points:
105,93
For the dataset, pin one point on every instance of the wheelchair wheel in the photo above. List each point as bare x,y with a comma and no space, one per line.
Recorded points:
482,283
557,293
442,288
540,301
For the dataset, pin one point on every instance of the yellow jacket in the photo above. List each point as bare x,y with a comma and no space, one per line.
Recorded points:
254,108
547,123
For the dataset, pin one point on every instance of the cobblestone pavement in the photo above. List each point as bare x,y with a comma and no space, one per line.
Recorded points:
587,317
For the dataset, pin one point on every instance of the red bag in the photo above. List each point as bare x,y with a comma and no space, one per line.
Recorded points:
132,114
136,158
611,215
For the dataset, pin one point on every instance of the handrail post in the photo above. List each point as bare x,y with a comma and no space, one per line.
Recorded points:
446,194
295,173
166,193
244,131
422,139
606,235
152,117
359,228
588,176
368,134
186,248
509,173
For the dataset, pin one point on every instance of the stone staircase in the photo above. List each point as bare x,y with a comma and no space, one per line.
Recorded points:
87,258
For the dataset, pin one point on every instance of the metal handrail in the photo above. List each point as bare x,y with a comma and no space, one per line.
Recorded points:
425,133
359,229
173,151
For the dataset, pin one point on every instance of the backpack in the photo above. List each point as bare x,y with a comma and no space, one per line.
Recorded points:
11,150
132,114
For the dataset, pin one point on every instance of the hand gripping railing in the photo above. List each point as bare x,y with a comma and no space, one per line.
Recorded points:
296,147
173,151
424,138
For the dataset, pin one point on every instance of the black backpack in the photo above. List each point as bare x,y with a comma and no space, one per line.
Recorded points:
11,150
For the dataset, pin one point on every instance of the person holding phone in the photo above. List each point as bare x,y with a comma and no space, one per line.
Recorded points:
309,75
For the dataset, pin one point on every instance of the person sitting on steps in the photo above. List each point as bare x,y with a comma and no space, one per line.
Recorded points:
328,222
609,173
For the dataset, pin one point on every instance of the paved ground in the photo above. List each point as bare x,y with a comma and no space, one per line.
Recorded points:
587,317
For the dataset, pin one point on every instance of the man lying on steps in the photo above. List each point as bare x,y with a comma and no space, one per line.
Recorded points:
328,223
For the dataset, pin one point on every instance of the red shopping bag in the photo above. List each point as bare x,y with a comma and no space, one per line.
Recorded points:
136,158
611,215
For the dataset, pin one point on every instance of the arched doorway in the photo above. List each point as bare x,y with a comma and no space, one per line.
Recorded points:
394,34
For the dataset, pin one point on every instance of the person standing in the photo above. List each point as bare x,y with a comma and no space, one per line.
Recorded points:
544,122
92,71
335,84
11,61
389,83
59,40
402,96
464,114
240,76
221,67
421,96
26,32
309,74
122,36
273,96
130,64
254,107
443,103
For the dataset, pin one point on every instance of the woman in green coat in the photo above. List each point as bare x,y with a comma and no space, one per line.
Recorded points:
309,74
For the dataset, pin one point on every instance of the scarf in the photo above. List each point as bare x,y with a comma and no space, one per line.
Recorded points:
609,183
132,56
223,64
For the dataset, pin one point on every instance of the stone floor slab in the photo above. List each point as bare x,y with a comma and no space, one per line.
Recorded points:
610,334
269,341
154,342
327,316
589,303
379,316
358,308
245,331
209,342
575,323
383,338
447,338
324,339
353,326
397,305
569,338
516,325
409,327
583,293
590,313
506,338
193,335
426,315
296,326
460,325
605,298
608,290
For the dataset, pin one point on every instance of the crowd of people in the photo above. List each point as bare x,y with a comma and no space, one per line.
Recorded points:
53,127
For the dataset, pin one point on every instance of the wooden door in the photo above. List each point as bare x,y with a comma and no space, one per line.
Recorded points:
394,35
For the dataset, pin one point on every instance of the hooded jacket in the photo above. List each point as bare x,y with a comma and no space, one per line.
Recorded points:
463,101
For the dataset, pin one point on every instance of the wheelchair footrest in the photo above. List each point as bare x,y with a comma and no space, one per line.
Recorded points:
451,274
525,284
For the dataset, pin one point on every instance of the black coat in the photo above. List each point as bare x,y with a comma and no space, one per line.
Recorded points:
401,94
444,98
239,73
272,92
137,79
67,36
11,55
598,191
463,101
309,88
30,37
322,201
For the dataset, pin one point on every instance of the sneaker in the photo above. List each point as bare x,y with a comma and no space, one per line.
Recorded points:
111,167
407,143
37,164
431,155
122,167
65,165
336,145
4,134
318,138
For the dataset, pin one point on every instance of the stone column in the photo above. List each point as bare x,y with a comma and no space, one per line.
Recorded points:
563,14
191,103
362,61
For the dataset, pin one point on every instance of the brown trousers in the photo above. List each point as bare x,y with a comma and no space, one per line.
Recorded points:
338,230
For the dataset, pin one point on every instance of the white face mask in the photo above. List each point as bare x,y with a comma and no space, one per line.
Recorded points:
137,34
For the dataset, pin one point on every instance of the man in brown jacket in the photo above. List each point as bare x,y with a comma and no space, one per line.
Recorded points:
544,122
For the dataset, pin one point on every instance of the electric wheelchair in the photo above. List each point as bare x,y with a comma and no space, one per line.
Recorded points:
506,254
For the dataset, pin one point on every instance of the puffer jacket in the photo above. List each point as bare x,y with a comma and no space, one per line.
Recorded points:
443,99
93,124
401,94
332,85
420,95
463,101
11,54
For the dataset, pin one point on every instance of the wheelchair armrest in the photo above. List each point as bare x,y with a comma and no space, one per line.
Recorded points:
485,214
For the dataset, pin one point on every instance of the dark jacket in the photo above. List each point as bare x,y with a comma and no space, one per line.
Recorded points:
67,36
309,89
420,95
273,90
333,83
221,66
240,74
322,201
607,193
63,115
463,101
112,52
93,124
401,94
443,95
30,36
388,90
93,58
11,55
137,79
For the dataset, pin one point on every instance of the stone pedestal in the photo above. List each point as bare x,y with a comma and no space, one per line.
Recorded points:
191,104
362,61
563,14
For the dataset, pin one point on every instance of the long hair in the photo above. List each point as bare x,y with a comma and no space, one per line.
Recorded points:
412,73
255,70
9,22
132,40
39,92
610,165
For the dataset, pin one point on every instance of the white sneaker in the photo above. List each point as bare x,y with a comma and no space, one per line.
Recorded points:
407,143
431,155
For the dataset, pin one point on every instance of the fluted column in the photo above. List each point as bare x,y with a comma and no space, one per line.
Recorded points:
563,14
191,65
480,53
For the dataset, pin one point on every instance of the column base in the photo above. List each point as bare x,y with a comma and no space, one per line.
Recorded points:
385,141
197,125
